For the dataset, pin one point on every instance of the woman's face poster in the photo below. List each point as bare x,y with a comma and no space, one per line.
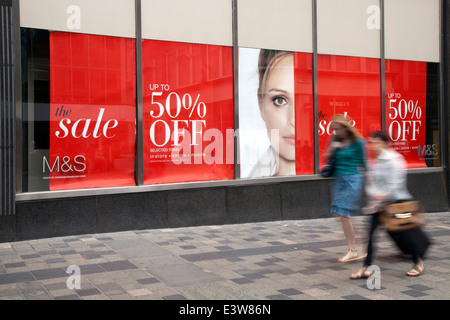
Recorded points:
275,112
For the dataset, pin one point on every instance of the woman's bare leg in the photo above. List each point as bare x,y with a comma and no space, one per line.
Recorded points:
349,232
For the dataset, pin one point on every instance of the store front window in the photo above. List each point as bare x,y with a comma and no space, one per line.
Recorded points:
199,102
411,80
80,93
276,113
276,108
188,112
412,111
348,86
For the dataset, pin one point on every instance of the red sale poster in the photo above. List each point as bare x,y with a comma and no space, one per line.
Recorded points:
92,111
349,86
406,92
188,112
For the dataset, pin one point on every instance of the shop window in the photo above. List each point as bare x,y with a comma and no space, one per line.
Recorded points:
275,113
79,110
412,52
349,86
79,88
412,111
187,112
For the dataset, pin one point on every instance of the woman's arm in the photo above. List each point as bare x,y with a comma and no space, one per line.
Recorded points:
363,156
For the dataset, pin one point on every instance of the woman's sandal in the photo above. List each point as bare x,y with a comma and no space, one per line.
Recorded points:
361,274
417,269
352,255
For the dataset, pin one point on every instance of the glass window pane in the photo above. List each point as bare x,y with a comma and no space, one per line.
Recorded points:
105,17
188,112
194,21
275,113
412,30
349,27
349,86
412,111
284,25
79,110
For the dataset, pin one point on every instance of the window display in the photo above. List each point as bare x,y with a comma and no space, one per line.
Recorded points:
219,102
348,86
276,114
92,111
412,111
81,128
188,112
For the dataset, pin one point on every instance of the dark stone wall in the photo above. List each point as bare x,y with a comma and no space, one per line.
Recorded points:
163,209
295,200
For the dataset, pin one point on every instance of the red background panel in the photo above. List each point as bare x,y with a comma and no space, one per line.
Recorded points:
183,84
406,106
92,85
348,85
304,113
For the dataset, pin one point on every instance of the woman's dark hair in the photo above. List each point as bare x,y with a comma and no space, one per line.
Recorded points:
382,135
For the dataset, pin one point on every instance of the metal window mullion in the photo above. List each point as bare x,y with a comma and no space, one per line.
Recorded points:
382,67
139,161
315,89
10,209
7,115
235,44
17,99
443,126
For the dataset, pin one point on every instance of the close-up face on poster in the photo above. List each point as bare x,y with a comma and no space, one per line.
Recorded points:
92,112
275,113
187,112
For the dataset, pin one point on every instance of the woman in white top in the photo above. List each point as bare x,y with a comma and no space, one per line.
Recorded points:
388,176
386,184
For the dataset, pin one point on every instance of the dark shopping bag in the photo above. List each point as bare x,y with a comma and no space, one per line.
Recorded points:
407,239
328,169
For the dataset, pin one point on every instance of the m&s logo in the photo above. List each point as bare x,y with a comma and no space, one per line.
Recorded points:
64,164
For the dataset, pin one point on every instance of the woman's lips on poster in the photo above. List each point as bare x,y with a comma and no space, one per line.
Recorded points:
290,139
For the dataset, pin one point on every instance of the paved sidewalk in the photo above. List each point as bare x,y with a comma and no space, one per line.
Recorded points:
282,260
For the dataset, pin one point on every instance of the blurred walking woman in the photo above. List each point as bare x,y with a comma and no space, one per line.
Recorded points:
347,148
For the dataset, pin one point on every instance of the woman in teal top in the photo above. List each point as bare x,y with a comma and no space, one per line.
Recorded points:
347,148
350,159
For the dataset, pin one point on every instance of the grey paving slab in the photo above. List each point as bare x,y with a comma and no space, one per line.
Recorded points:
219,290
15,277
176,271
277,260
49,273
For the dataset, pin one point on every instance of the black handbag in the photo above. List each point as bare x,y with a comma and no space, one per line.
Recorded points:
328,169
